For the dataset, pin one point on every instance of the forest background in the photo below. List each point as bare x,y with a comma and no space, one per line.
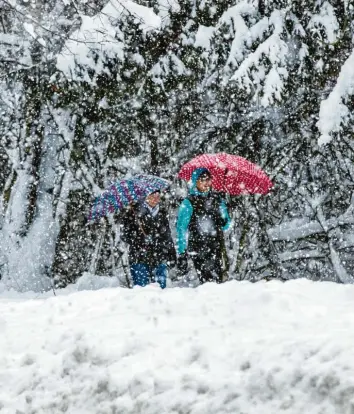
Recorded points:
91,91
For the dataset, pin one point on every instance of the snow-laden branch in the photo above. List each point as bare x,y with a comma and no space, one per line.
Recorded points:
167,66
334,112
243,34
99,38
302,228
16,48
254,71
342,274
326,20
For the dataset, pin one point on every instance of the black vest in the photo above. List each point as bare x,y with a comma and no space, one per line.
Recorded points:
205,226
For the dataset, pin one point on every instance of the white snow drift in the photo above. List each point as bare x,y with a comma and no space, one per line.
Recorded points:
234,348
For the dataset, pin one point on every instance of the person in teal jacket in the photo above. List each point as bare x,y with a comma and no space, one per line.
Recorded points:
202,219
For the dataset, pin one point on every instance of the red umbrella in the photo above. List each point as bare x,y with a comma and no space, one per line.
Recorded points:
230,173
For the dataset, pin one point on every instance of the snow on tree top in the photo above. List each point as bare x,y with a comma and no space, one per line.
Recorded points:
100,38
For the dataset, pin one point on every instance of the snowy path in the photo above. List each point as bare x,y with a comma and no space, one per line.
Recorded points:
235,348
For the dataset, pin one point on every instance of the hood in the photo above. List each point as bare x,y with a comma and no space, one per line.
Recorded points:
193,186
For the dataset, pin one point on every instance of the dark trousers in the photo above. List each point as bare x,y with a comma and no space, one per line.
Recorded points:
209,267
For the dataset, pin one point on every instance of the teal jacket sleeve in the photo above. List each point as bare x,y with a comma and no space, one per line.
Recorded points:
184,216
225,215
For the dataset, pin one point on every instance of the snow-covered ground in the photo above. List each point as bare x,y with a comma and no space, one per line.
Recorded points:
234,348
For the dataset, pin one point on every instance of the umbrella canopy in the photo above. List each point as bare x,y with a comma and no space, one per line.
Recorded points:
124,192
230,174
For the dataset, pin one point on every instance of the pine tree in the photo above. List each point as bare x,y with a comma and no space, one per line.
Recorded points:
91,92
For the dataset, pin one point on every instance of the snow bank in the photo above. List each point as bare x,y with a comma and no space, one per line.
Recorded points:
89,281
232,348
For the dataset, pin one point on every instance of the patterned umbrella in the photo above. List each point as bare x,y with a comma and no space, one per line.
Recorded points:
230,173
123,192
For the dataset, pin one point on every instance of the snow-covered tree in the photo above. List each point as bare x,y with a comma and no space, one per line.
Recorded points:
94,91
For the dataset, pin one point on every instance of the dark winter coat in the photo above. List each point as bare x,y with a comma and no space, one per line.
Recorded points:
202,218
206,224
149,238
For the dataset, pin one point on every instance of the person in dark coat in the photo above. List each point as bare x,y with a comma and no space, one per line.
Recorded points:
147,231
202,219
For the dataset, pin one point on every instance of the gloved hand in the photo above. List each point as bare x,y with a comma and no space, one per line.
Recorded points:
182,264
171,264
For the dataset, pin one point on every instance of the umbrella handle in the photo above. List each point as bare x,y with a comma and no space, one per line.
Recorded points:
224,183
139,223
